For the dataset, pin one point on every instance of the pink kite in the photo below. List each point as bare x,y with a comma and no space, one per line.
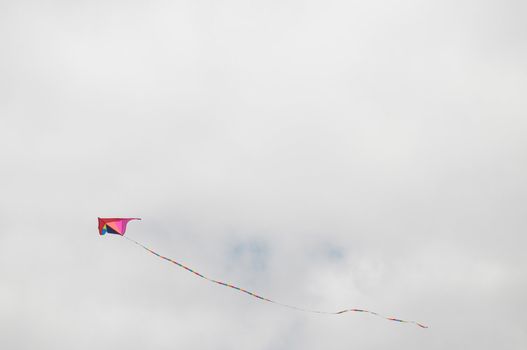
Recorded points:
114,225
118,226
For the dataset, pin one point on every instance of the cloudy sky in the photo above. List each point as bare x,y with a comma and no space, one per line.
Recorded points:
326,154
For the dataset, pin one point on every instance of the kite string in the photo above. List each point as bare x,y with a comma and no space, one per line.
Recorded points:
269,300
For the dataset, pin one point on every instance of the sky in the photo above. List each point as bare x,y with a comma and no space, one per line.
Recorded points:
325,154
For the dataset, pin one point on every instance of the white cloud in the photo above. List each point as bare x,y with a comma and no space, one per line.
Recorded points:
327,155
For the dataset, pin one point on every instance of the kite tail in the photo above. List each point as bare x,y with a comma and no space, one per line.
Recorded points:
269,300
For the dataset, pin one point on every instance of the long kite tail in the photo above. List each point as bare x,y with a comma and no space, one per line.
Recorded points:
269,300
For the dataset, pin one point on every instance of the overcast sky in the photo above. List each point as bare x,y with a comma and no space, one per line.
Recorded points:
326,154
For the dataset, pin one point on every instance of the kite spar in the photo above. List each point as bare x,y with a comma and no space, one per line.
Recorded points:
118,226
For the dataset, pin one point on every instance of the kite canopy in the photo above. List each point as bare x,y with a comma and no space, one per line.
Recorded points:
114,225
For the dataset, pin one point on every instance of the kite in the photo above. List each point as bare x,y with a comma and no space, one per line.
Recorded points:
114,225
118,226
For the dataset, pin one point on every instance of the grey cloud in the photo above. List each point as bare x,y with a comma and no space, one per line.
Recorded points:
336,154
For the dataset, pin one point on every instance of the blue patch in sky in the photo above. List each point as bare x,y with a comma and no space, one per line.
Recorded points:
334,253
253,253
